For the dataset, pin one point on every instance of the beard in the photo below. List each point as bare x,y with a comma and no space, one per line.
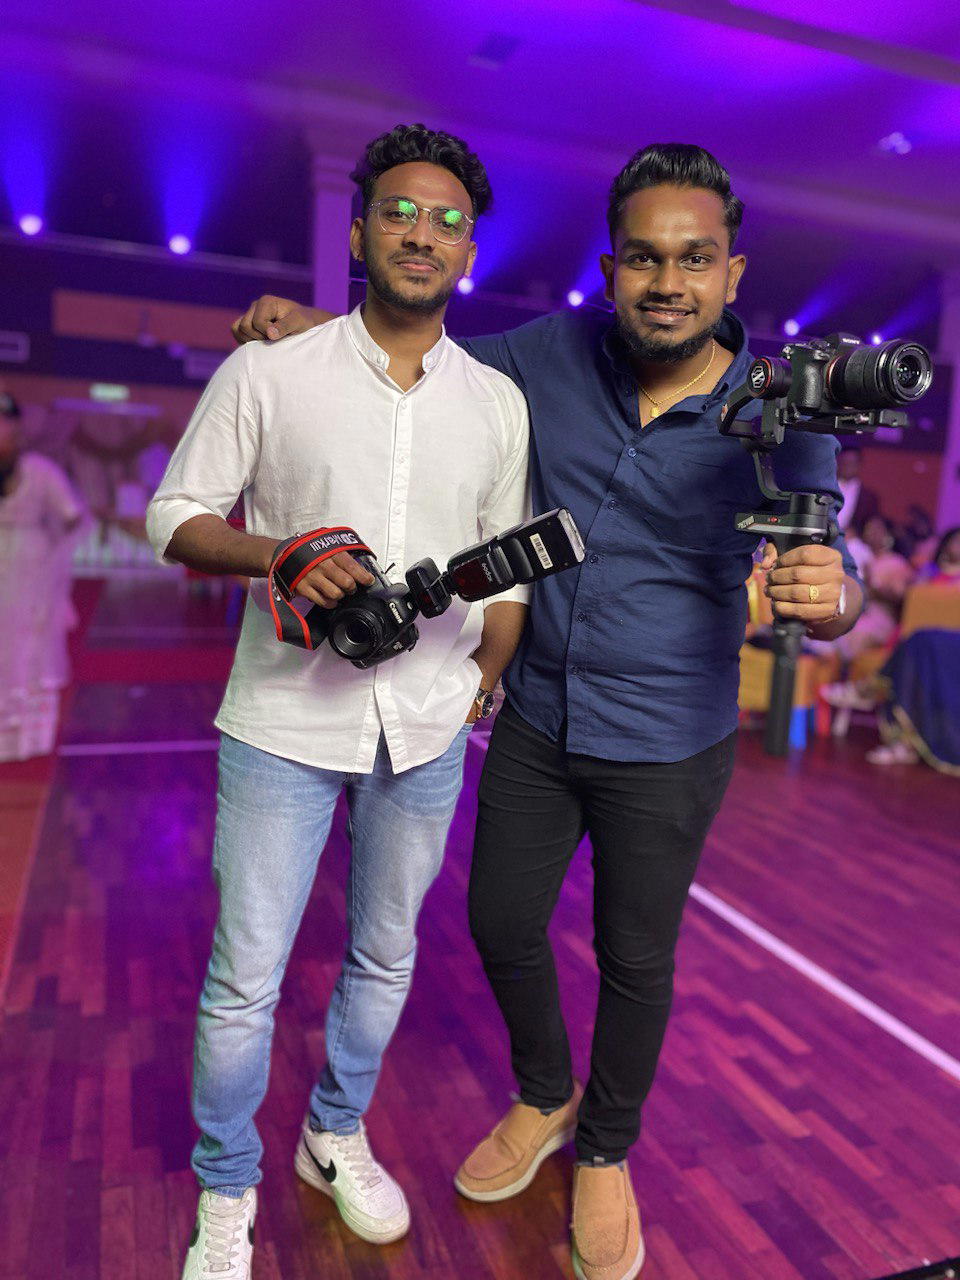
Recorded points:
662,350
422,304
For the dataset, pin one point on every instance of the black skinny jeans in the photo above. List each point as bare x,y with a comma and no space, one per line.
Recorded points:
647,824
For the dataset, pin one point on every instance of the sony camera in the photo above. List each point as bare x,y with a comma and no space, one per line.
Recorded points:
839,383
378,621
826,385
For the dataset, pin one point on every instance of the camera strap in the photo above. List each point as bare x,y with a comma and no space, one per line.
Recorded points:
292,561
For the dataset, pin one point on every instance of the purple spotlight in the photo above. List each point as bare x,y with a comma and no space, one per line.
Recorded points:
791,328
465,285
575,298
876,338
179,244
31,224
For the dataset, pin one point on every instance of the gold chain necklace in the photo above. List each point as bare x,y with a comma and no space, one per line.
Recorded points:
702,374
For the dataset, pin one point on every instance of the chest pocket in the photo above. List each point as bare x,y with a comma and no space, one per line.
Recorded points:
694,497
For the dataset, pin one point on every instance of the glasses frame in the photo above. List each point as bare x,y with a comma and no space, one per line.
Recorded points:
469,223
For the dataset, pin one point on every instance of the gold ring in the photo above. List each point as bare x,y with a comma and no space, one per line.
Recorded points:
814,593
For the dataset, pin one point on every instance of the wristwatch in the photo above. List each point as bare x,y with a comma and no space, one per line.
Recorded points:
484,703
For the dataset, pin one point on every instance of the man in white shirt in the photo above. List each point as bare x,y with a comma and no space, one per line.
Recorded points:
380,423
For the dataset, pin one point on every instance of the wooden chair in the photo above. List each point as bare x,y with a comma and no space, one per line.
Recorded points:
930,606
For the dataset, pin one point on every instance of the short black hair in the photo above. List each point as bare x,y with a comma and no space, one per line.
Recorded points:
410,143
8,406
678,164
942,545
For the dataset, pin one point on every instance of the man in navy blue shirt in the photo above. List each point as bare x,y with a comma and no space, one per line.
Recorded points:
622,699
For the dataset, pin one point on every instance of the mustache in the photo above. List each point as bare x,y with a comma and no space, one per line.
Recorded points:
664,304
420,260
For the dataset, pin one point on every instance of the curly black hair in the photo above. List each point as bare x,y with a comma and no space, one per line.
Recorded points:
678,164
409,143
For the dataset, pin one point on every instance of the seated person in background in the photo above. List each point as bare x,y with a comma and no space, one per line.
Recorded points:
871,693
944,568
887,575
919,712
919,536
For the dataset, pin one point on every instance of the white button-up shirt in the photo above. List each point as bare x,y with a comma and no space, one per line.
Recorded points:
314,432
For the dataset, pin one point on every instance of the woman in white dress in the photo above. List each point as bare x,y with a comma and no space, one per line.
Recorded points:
39,513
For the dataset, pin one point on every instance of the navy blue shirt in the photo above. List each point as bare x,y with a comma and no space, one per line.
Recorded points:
634,655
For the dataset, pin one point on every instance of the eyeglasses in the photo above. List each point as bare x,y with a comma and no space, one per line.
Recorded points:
397,215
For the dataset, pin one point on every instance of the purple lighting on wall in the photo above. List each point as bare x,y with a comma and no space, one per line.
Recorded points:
876,338
465,285
25,152
575,298
791,328
179,244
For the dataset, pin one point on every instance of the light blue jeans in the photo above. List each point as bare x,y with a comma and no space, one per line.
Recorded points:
273,819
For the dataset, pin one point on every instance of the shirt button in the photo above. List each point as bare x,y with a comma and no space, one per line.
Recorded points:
581,617
574,671
612,504
594,559
631,453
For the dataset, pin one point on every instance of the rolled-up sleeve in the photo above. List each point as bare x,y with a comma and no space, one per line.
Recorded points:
508,502
216,458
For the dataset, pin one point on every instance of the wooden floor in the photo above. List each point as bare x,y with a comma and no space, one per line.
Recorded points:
787,1136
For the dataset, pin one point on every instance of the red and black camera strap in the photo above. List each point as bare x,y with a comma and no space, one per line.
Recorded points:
292,561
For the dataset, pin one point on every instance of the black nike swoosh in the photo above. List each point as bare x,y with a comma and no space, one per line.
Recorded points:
250,1231
196,1235
328,1171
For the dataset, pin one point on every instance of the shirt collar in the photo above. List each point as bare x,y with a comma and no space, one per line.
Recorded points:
730,334
374,354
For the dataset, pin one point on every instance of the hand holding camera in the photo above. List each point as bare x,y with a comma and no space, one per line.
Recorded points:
825,385
332,579
367,618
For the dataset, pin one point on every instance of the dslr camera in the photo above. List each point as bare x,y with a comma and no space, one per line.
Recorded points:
378,621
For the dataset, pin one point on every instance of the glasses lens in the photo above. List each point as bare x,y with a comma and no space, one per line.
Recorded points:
449,225
396,214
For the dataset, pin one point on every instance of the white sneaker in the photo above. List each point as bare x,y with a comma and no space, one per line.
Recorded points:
222,1243
848,695
370,1202
893,753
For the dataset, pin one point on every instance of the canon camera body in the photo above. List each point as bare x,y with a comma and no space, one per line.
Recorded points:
377,621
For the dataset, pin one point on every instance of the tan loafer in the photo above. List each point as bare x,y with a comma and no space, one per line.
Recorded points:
607,1242
507,1160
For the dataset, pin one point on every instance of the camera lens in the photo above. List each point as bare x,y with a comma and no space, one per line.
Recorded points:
357,633
908,373
878,377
